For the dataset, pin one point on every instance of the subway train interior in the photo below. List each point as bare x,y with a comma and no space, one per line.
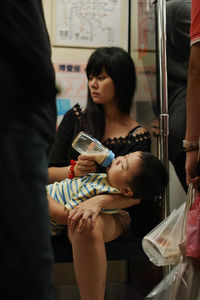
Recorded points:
155,34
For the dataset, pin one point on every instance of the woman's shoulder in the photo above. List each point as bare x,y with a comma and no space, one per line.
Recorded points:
138,130
74,112
134,128
139,135
72,116
69,121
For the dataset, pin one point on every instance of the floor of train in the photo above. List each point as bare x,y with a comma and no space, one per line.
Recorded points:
114,291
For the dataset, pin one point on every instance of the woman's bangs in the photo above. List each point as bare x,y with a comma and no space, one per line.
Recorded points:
94,67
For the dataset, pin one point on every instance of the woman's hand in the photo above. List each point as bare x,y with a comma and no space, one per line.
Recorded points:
90,209
191,168
84,165
79,216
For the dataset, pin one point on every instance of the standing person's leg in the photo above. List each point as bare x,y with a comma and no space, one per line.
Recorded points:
26,255
89,255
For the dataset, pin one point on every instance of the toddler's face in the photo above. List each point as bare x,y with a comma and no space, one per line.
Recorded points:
122,169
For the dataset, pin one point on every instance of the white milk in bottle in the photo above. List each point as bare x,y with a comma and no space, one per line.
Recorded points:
87,145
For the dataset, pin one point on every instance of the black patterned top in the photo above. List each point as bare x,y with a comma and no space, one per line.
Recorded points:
62,151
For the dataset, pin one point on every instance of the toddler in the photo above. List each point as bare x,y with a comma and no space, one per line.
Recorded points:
139,175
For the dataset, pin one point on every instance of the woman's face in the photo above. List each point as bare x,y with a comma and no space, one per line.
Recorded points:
102,88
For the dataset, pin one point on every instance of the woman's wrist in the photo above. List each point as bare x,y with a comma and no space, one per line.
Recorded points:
70,169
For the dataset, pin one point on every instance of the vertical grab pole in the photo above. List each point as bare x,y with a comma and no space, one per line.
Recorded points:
164,117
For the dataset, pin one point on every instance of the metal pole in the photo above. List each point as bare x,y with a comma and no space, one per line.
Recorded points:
164,117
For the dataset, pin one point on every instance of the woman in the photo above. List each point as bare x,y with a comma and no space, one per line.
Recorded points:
111,86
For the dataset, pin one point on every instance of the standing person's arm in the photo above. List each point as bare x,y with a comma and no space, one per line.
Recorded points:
193,94
193,111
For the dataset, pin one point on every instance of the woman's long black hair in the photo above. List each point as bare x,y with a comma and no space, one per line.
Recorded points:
119,65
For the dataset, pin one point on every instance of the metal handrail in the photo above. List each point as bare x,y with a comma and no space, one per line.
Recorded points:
163,90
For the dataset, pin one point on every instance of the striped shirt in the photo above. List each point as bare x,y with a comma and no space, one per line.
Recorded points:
71,192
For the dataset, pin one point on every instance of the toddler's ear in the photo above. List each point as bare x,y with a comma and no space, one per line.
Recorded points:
127,192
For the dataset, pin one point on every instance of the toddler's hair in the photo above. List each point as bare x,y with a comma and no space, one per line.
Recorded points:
152,179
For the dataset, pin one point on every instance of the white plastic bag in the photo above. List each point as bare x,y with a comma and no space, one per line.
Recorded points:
162,244
182,283
162,290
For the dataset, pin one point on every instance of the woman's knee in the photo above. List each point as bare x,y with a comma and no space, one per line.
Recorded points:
88,234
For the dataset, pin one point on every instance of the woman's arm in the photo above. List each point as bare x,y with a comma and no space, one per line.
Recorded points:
61,151
117,201
91,208
84,165
57,174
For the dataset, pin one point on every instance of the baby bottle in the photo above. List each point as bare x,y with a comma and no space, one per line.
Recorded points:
86,144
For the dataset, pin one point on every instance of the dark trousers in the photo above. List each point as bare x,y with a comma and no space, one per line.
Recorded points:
25,249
